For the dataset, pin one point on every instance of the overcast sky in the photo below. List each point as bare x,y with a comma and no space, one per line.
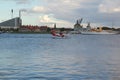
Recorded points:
63,12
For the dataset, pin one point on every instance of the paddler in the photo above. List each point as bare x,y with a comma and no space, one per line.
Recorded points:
53,32
61,34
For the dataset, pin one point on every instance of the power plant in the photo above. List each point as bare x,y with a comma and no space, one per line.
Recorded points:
13,23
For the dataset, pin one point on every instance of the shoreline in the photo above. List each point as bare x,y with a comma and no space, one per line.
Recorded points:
29,32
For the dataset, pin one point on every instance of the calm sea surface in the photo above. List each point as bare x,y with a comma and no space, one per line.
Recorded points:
39,57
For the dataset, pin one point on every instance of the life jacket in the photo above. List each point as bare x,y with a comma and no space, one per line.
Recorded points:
53,32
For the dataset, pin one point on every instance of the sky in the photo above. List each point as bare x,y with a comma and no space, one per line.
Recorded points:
63,12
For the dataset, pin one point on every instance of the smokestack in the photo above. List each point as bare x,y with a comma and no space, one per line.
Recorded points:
11,13
20,14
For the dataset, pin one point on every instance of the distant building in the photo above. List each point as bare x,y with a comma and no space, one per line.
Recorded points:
14,23
30,28
43,28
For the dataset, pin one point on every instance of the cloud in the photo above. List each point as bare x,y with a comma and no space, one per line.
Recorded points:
71,9
39,9
110,6
20,1
46,19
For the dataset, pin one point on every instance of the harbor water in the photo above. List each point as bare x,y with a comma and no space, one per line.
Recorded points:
40,57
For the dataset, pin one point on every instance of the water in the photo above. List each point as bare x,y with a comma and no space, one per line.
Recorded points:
39,57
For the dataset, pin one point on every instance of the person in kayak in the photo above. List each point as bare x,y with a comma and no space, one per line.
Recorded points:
61,34
53,32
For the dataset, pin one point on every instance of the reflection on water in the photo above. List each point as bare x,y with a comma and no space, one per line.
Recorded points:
39,57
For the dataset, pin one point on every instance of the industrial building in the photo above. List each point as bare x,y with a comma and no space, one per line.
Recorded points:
13,23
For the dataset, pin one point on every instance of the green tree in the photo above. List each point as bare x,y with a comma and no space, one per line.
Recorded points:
48,29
